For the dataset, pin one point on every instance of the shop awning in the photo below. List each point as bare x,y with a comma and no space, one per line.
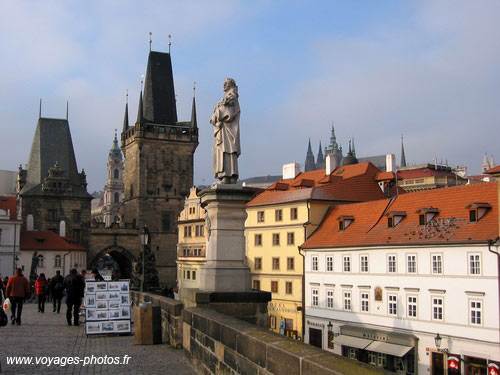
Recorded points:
387,348
353,342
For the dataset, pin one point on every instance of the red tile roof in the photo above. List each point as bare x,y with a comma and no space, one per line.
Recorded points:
494,170
426,172
9,203
45,240
351,183
451,225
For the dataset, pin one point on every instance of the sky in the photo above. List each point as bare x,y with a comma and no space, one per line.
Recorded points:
427,69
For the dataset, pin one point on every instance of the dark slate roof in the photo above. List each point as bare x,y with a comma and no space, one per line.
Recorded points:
159,94
52,143
378,161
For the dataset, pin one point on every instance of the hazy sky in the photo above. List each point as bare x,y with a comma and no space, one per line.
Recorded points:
377,69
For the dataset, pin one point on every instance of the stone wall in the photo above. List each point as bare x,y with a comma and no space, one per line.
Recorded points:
219,344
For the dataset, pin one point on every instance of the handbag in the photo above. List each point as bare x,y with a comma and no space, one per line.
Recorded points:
3,316
6,305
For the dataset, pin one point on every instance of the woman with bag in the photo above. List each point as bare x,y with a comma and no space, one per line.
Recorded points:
41,290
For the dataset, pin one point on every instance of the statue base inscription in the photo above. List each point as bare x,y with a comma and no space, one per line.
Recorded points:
225,269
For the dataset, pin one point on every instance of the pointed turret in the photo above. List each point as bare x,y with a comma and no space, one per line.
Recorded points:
194,123
349,158
403,157
353,149
309,164
320,160
140,112
115,149
125,118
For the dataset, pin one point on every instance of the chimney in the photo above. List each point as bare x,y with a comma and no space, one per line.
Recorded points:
330,164
62,228
390,162
290,170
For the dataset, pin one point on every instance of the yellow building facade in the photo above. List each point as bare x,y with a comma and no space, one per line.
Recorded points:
273,234
191,244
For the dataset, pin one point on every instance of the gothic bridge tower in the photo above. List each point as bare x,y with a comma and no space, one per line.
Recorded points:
158,153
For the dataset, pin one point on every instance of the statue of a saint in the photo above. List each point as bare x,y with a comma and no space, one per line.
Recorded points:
226,147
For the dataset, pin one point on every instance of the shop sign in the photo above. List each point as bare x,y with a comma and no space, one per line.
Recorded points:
280,307
453,362
315,324
493,369
375,336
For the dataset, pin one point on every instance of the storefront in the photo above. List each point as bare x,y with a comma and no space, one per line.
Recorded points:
444,363
392,351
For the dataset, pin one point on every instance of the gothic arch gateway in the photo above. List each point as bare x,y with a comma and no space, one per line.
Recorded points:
116,258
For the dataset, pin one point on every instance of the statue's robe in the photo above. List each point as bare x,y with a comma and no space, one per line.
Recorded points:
226,147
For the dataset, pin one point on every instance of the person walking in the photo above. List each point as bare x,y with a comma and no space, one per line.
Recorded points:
49,292
74,286
57,289
18,288
41,292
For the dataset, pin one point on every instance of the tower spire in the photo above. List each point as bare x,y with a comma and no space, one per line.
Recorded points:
169,43
67,109
40,109
194,123
353,149
403,157
140,113
125,116
310,165
150,40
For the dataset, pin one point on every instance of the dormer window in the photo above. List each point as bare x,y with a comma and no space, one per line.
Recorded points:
477,210
394,218
426,215
344,222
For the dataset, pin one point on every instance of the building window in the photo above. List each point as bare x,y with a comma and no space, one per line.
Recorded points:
315,297
290,263
352,353
437,264
57,262
390,222
475,312
365,302
77,234
314,261
372,358
276,239
329,298
185,252
364,263
258,240
193,274
260,216
475,264
276,263
188,273
391,264
411,263
52,215
293,213
341,225
274,287
187,231
258,263
39,262
117,198
288,324
329,263
272,321
393,304
288,287
412,306
290,238
472,216
256,284
437,308
165,222
381,360
116,173
347,301
278,215
347,263
77,216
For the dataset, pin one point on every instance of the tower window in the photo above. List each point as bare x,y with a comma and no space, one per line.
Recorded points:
117,197
116,173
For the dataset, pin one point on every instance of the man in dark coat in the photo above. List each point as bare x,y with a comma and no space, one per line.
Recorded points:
57,290
18,288
74,286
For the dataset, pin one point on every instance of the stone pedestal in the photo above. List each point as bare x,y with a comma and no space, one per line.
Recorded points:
225,269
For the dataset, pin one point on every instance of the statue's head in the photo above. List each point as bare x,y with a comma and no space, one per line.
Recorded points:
228,83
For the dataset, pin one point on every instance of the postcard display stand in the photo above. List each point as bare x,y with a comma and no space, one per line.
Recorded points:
107,307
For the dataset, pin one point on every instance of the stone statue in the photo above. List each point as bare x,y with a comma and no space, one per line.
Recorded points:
226,147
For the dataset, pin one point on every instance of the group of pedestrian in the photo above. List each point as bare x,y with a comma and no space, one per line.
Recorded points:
17,288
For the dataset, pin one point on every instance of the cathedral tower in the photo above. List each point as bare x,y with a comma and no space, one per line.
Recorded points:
310,165
113,190
158,153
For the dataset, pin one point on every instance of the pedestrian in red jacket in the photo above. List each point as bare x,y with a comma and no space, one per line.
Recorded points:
41,292
18,288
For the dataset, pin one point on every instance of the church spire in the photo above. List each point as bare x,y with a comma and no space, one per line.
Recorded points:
194,123
320,160
403,157
125,116
309,164
353,149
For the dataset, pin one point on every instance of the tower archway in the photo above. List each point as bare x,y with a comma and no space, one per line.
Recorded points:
117,259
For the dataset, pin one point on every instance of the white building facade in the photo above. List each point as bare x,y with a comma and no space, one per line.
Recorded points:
10,231
432,275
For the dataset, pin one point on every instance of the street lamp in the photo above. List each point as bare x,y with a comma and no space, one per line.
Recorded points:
330,326
144,235
437,341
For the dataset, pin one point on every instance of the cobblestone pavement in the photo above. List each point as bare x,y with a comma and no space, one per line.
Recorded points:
48,335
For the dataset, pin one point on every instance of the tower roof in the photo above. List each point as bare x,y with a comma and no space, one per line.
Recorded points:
115,149
309,164
159,93
125,118
194,123
52,144
403,157
140,111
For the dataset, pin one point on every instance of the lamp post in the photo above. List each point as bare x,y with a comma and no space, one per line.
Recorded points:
144,235
437,341
330,335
